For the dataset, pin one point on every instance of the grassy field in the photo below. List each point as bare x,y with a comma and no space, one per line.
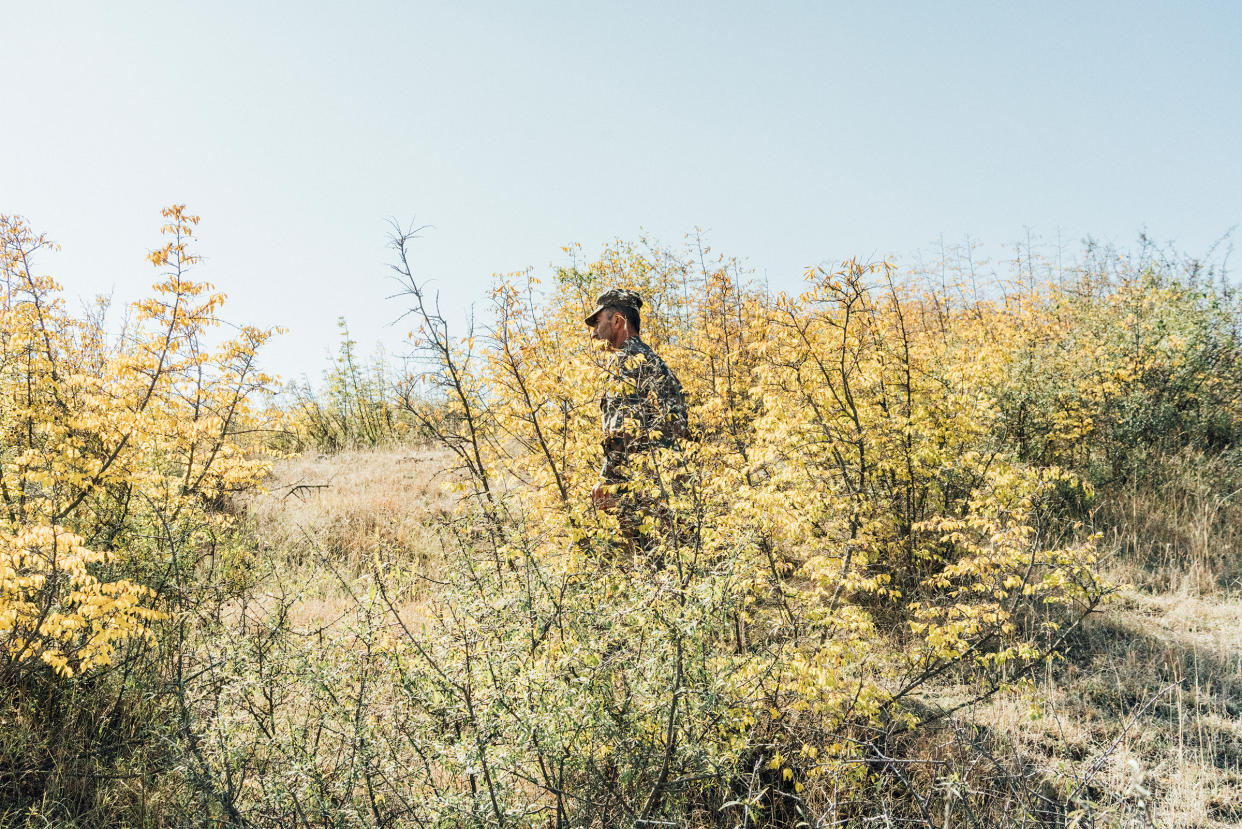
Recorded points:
912,557
1144,712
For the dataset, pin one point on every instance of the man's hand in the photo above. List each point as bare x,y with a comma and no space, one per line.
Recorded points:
601,499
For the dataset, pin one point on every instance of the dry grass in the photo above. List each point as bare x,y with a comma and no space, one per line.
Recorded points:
328,518
1179,531
1145,710
353,505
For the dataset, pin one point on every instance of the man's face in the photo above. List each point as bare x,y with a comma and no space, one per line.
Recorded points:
608,327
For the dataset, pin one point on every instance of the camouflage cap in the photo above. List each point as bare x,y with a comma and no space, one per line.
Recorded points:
615,298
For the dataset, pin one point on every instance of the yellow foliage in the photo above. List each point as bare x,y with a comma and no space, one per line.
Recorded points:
113,447
842,528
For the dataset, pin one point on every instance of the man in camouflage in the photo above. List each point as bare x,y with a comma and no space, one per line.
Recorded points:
643,407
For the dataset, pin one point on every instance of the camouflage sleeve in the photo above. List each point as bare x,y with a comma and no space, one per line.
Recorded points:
614,458
673,411
663,402
622,421
645,399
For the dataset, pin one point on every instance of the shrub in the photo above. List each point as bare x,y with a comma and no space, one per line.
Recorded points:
843,530
356,407
116,456
1127,361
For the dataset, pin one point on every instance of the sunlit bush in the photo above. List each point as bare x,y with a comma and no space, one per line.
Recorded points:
119,449
356,405
109,443
1129,360
843,528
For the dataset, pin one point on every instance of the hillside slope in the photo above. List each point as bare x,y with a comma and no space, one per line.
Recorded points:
1142,718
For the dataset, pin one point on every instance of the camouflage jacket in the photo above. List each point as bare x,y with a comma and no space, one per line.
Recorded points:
643,397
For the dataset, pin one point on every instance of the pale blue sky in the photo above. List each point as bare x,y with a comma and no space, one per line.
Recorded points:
793,132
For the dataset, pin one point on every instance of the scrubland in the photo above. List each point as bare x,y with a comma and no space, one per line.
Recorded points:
942,550
1144,711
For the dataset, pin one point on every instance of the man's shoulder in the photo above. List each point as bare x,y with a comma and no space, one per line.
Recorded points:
646,357
641,361
635,345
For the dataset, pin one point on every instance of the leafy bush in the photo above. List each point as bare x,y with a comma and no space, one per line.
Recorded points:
1128,361
356,407
116,456
842,531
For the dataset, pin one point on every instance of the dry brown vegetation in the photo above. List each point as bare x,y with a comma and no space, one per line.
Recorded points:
1145,711
328,517
353,505
926,559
